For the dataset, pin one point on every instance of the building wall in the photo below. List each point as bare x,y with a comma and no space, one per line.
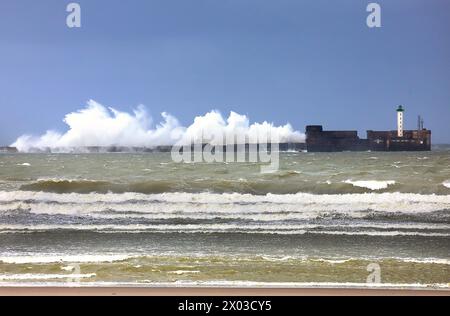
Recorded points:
318,140
412,140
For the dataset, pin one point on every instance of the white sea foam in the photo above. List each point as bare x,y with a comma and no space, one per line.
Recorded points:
275,258
97,125
381,233
242,284
333,285
32,258
371,184
63,179
225,203
180,272
25,164
30,276
258,213
332,261
282,229
68,268
427,260
62,258
446,183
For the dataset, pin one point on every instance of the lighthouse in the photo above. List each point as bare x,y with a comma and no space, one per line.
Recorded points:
400,111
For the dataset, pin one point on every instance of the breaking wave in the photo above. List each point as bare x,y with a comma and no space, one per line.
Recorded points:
97,125
272,183
374,201
29,276
371,184
88,186
385,215
63,258
229,270
131,259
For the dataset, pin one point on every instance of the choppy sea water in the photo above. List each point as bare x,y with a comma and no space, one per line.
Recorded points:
141,219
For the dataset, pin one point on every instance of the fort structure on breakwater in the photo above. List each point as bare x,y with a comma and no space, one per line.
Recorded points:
318,140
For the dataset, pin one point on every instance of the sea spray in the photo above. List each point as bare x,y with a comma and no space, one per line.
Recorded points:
97,125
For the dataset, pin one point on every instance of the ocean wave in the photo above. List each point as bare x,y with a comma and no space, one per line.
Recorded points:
191,213
30,276
88,186
368,214
215,270
280,229
381,233
63,258
131,130
288,173
331,285
204,211
226,202
446,184
281,182
25,164
138,260
240,284
179,272
426,260
371,184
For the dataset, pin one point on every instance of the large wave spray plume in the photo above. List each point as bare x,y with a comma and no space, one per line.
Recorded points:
97,125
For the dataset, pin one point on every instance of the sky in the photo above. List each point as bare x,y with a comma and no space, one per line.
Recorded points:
300,61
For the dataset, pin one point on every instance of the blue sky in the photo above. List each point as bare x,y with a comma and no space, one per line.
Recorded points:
300,61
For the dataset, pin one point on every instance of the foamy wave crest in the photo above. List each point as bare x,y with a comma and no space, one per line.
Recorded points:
217,228
326,285
371,184
247,270
281,182
229,202
29,276
97,125
446,184
63,258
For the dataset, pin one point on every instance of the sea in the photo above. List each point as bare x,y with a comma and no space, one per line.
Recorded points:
351,219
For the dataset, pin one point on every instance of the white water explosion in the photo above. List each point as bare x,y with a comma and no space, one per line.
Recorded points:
97,125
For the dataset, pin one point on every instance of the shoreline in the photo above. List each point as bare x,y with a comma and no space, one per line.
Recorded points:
214,291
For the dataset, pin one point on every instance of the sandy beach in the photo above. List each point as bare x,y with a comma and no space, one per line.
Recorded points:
142,291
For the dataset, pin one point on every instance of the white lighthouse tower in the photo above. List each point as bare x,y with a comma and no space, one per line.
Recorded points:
400,111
